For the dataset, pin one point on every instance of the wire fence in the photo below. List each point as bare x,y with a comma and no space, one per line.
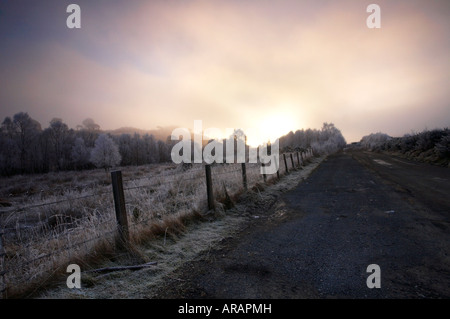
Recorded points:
39,238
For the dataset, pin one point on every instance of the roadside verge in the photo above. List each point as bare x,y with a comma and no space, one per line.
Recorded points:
172,250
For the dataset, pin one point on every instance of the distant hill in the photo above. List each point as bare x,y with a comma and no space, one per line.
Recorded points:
160,133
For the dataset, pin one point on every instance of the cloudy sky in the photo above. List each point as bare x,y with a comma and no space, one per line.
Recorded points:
261,65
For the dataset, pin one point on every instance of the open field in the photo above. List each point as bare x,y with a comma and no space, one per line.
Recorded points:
176,250
52,220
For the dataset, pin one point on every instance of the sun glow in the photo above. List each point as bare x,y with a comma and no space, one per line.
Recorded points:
271,127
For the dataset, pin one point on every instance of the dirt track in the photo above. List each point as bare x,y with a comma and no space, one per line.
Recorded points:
356,209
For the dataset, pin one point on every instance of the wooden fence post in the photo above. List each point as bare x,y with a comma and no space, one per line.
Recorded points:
264,172
209,187
278,169
119,203
292,161
298,160
244,176
285,163
2,268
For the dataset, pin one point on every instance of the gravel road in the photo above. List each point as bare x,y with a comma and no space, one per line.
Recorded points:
356,209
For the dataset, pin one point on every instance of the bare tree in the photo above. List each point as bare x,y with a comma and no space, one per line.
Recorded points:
90,125
24,132
58,133
89,131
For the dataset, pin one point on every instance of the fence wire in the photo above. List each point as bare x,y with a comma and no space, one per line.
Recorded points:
39,237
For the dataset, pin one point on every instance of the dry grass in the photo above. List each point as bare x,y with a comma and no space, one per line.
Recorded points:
194,242
79,226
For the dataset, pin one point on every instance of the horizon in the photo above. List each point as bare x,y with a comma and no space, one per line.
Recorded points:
223,136
259,65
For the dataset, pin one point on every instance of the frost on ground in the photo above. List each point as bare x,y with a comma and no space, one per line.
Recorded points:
170,251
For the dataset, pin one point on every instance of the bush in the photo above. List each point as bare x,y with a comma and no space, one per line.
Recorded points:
430,146
427,140
442,148
375,140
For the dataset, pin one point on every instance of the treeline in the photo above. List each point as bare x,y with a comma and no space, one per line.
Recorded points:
428,146
327,140
27,148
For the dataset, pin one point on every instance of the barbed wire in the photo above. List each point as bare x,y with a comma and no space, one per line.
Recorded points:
82,187
24,264
28,207
160,180
157,183
160,183
18,209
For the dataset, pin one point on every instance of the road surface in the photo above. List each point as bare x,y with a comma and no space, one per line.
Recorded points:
356,209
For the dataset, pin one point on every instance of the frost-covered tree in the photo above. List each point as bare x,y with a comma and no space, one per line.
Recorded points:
427,140
375,140
25,147
124,143
235,144
325,141
329,141
80,153
105,153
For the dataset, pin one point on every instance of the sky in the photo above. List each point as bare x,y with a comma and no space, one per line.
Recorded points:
264,66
